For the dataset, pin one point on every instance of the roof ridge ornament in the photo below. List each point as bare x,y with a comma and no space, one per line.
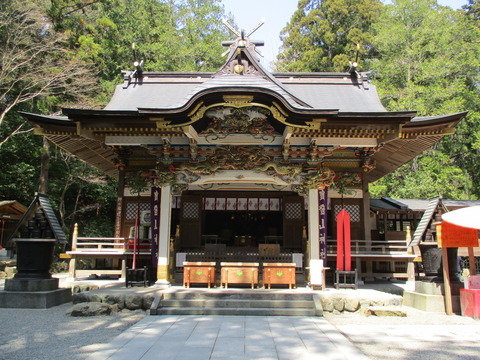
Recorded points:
243,39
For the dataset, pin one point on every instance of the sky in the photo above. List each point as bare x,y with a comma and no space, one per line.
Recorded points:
277,13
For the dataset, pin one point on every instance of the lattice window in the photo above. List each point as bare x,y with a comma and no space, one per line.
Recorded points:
131,209
293,211
191,210
353,211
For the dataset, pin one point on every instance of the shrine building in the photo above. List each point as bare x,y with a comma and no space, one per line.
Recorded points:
240,158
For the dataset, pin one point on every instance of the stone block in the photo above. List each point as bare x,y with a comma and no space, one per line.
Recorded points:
384,311
436,288
147,302
429,303
34,299
133,302
352,304
31,285
338,303
90,309
10,271
327,303
81,297
117,300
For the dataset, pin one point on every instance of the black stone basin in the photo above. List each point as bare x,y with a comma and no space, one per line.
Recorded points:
34,257
432,261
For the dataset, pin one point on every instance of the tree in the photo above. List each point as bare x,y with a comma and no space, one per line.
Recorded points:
34,61
174,35
325,35
202,32
431,65
473,11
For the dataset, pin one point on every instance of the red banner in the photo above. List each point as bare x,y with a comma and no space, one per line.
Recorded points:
344,260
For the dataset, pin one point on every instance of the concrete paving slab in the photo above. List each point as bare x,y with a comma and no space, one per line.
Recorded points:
227,337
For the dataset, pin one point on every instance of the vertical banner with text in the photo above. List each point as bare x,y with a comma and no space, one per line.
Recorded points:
155,221
322,213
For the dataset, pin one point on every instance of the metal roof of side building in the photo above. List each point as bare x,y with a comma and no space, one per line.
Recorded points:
386,204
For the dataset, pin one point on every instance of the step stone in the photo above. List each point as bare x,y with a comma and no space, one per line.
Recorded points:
232,302
236,311
238,303
257,295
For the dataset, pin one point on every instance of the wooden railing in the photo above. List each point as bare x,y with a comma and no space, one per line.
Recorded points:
372,247
100,244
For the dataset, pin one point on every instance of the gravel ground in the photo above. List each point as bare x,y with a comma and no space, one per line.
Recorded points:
51,334
419,336
39,334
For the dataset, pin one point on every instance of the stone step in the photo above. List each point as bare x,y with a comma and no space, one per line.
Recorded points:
235,311
228,294
234,302
237,303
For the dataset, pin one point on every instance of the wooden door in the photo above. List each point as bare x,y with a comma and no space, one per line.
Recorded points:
354,207
293,221
191,221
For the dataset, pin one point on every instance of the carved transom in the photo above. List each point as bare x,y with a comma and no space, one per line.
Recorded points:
230,120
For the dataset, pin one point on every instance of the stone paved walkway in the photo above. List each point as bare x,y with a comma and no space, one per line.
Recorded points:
230,338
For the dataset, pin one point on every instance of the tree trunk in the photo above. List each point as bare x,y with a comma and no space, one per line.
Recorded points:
44,162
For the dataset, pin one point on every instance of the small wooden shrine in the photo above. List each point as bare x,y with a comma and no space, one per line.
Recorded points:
243,157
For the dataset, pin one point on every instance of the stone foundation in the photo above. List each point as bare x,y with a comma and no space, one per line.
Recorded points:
356,301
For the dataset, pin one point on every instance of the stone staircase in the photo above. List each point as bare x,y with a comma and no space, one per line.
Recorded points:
236,302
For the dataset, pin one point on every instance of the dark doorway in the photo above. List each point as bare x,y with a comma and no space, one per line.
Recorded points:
247,228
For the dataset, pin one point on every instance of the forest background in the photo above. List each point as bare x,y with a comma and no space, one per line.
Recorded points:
70,53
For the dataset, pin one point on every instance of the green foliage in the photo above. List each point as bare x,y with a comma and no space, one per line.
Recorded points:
19,163
178,35
96,35
326,35
431,65
425,177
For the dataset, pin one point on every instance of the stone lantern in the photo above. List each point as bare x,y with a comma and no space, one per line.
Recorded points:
36,236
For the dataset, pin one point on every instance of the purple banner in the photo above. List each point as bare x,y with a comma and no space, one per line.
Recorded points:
155,222
322,213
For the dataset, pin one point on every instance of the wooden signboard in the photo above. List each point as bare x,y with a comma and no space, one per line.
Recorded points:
453,236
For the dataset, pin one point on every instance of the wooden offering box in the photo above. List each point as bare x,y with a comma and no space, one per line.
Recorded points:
279,273
239,273
198,273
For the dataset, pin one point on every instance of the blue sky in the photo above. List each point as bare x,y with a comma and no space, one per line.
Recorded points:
277,13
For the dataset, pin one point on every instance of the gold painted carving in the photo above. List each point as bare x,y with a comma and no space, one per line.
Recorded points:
316,124
197,113
238,100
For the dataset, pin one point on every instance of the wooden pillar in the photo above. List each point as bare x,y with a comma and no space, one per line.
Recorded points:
164,237
366,212
313,226
119,210
72,265
471,257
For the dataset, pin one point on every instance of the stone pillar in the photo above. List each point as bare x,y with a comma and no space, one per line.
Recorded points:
164,237
313,226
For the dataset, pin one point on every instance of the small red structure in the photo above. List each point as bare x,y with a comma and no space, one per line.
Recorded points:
470,302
